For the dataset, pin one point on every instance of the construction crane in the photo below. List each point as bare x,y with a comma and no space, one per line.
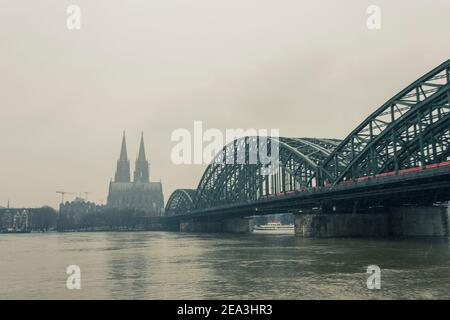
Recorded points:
86,193
62,193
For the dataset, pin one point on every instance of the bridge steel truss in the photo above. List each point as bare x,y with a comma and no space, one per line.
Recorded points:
237,173
411,130
180,201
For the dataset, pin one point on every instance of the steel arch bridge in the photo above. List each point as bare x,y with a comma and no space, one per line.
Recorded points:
410,131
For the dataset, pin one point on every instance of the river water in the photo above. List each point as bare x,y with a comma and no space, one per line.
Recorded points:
166,265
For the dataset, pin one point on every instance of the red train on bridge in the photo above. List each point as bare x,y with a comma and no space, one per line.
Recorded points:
403,171
380,175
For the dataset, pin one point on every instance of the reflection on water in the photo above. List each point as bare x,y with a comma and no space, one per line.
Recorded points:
163,265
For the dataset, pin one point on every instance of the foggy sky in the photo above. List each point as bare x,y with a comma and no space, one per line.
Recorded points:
308,68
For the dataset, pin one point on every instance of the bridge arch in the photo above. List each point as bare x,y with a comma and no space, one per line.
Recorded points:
297,169
242,180
180,201
374,145
410,130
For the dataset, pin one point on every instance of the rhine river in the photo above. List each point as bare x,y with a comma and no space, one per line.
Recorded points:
165,265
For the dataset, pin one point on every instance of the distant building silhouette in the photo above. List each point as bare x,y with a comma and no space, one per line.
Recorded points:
139,194
14,220
78,214
78,208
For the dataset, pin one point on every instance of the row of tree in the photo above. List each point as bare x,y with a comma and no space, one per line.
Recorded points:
106,219
43,219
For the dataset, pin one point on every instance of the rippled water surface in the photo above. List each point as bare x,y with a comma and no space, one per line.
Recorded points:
164,265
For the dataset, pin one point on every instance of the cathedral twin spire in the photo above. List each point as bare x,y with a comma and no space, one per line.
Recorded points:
123,164
141,172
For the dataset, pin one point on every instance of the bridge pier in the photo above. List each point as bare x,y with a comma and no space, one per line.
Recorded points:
395,221
237,225
323,225
420,221
233,225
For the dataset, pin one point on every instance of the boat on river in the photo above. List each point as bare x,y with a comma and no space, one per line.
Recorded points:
274,226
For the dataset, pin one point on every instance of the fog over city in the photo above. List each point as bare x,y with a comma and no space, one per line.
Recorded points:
308,68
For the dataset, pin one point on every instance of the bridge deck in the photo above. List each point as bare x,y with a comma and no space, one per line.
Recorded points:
423,186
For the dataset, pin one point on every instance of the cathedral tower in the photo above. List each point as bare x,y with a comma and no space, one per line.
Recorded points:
123,164
141,194
141,172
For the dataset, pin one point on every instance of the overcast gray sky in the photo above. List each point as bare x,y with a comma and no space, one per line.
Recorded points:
309,68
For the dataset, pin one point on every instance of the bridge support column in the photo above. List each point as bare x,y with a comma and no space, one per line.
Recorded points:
341,225
237,225
396,221
420,221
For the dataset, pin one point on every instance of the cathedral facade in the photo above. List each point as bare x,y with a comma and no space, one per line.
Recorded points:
140,194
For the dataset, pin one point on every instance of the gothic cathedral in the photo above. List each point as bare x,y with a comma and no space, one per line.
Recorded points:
139,194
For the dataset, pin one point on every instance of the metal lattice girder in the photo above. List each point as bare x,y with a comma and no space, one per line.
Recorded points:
379,139
180,201
431,144
412,129
299,162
